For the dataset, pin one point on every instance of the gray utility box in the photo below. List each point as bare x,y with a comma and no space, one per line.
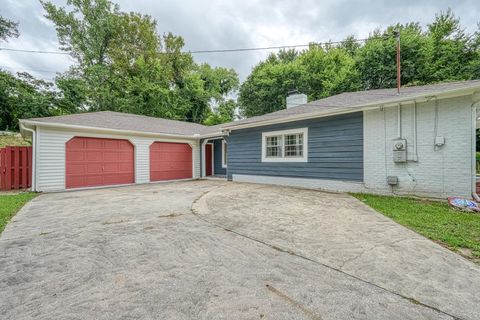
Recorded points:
392,180
399,150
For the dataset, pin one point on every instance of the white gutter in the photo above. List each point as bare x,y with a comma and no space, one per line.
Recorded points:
107,130
210,135
34,155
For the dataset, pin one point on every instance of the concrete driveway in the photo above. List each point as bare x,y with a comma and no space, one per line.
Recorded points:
218,250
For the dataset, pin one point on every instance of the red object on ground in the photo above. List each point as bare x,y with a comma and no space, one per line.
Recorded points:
170,161
208,159
94,162
478,187
15,168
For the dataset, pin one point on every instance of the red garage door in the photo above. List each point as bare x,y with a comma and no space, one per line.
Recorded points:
170,161
98,162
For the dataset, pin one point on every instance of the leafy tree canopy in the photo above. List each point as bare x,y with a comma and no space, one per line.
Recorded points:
24,97
442,51
8,29
123,64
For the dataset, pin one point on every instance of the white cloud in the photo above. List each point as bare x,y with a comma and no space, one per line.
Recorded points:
226,24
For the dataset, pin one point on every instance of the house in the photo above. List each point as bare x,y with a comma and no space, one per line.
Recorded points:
420,142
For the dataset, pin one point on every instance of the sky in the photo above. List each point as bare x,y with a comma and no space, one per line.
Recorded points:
229,24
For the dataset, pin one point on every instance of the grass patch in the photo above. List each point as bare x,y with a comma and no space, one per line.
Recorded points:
434,220
13,140
10,204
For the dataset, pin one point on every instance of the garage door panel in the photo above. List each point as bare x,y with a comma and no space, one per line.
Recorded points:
76,155
123,156
76,143
111,179
78,169
123,167
93,168
93,180
77,181
171,175
123,144
111,144
111,167
93,155
93,143
110,156
99,162
170,161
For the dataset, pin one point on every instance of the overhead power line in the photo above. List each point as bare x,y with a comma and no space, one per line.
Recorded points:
217,50
33,51
33,70
282,47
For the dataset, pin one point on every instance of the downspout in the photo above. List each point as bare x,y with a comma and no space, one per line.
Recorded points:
202,152
399,121
34,155
415,152
475,102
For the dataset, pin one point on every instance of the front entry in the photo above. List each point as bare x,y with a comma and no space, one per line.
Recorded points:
208,159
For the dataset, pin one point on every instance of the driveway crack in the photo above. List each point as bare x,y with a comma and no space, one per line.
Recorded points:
336,269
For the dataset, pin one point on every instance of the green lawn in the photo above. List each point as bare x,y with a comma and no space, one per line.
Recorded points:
432,219
10,204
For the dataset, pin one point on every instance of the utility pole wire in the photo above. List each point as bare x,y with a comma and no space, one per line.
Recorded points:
34,51
220,50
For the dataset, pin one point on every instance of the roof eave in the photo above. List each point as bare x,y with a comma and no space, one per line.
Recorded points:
360,107
107,130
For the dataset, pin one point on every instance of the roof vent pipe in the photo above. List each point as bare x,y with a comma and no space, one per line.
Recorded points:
295,98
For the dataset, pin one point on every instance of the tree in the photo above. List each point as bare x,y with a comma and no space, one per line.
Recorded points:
8,29
224,112
317,72
376,59
440,52
452,50
123,64
265,89
24,97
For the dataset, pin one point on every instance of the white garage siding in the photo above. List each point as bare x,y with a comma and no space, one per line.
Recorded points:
50,156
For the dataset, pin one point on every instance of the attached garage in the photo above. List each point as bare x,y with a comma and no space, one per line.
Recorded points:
92,162
170,161
97,149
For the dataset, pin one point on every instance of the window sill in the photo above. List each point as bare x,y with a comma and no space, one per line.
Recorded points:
303,159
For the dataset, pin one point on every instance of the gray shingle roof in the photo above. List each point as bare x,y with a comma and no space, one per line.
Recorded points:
360,99
349,101
125,121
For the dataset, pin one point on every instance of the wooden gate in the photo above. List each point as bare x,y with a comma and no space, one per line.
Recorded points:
15,168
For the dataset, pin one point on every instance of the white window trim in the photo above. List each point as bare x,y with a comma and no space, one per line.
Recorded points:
304,158
224,161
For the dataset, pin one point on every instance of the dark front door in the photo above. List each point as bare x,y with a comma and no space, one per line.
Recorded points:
208,159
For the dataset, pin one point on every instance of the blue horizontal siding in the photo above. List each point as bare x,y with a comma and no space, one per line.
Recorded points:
335,150
217,158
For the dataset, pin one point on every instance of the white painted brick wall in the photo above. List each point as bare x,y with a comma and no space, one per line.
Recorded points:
448,171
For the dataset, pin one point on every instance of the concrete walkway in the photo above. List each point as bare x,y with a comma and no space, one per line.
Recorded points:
244,252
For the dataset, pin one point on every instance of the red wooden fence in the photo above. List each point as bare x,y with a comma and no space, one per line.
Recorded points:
15,168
